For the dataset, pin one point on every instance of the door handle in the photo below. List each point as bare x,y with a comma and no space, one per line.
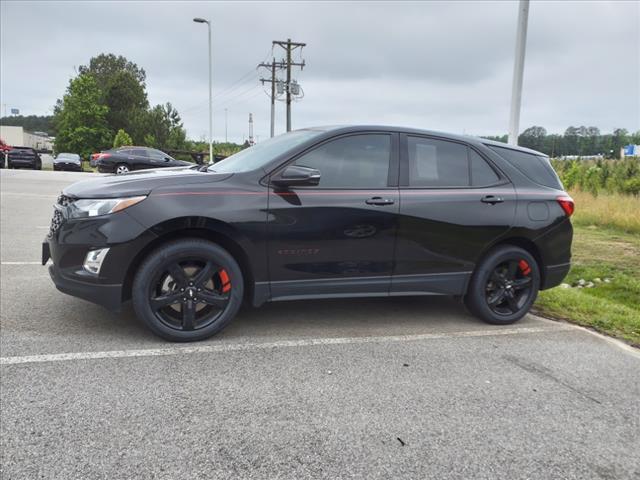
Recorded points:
492,199
379,201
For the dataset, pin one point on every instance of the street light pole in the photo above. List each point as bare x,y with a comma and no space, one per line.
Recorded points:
226,140
202,20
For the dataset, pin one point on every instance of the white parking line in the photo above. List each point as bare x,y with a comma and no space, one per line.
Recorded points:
20,263
33,195
231,347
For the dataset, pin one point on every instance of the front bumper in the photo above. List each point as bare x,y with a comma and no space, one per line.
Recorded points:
107,295
69,242
74,167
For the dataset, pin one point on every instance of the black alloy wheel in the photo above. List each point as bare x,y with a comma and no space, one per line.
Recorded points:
509,287
188,290
504,285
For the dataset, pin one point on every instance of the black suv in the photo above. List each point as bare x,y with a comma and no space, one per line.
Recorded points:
126,159
317,213
24,157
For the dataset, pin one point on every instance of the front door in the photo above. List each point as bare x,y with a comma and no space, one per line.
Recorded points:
454,204
337,237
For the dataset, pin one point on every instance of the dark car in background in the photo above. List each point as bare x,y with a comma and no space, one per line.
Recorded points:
313,214
127,159
68,161
24,157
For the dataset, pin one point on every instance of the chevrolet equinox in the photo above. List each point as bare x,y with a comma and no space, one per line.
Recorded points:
312,214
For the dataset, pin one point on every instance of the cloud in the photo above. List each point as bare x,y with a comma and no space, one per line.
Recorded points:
438,65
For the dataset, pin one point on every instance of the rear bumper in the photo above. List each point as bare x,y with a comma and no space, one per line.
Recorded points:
109,296
18,162
554,274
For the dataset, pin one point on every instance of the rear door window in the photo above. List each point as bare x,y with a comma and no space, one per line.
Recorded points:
535,167
437,163
481,173
140,152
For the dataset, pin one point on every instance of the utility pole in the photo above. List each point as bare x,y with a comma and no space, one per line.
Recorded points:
518,71
289,46
273,82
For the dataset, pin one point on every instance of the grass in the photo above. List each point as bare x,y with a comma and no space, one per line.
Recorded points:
615,211
606,244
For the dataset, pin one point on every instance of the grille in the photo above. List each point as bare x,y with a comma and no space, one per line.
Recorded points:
57,219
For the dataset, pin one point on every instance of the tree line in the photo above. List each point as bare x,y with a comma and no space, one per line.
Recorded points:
576,141
106,106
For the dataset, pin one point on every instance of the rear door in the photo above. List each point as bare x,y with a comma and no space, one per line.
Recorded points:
337,237
141,159
454,203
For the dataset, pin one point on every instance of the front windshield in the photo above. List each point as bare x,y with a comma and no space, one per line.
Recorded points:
73,156
259,155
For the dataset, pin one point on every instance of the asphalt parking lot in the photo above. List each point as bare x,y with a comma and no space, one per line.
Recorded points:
376,388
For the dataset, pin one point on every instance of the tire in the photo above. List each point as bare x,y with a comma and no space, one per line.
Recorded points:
504,285
121,169
203,269
38,166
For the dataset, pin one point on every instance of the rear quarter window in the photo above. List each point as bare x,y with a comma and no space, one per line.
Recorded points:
535,167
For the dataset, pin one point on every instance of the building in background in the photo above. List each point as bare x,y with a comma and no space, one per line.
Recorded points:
17,137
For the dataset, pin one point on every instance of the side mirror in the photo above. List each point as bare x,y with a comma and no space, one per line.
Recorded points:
295,175
167,159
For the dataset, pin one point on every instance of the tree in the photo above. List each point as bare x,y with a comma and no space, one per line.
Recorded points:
123,87
533,137
122,139
81,120
165,128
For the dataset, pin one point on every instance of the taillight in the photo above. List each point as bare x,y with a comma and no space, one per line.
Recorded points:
566,203
102,156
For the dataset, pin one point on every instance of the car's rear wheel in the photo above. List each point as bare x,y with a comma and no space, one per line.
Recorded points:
188,290
38,165
121,169
504,285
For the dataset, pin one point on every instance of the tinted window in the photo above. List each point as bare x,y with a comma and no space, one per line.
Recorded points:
481,172
139,152
437,163
357,161
535,167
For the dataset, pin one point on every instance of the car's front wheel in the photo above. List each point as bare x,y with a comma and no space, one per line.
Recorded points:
121,169
504,285
188,290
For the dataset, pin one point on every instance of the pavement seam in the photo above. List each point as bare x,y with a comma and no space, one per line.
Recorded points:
229,347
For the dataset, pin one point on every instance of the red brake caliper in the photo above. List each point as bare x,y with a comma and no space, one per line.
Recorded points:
524,267
224,280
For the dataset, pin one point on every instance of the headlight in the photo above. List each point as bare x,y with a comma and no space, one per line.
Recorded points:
93,207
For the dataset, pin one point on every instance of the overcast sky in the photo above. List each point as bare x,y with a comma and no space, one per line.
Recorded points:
436,65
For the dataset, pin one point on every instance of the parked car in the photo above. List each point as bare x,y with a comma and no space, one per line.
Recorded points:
68,161
126,159
24,157
313,214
